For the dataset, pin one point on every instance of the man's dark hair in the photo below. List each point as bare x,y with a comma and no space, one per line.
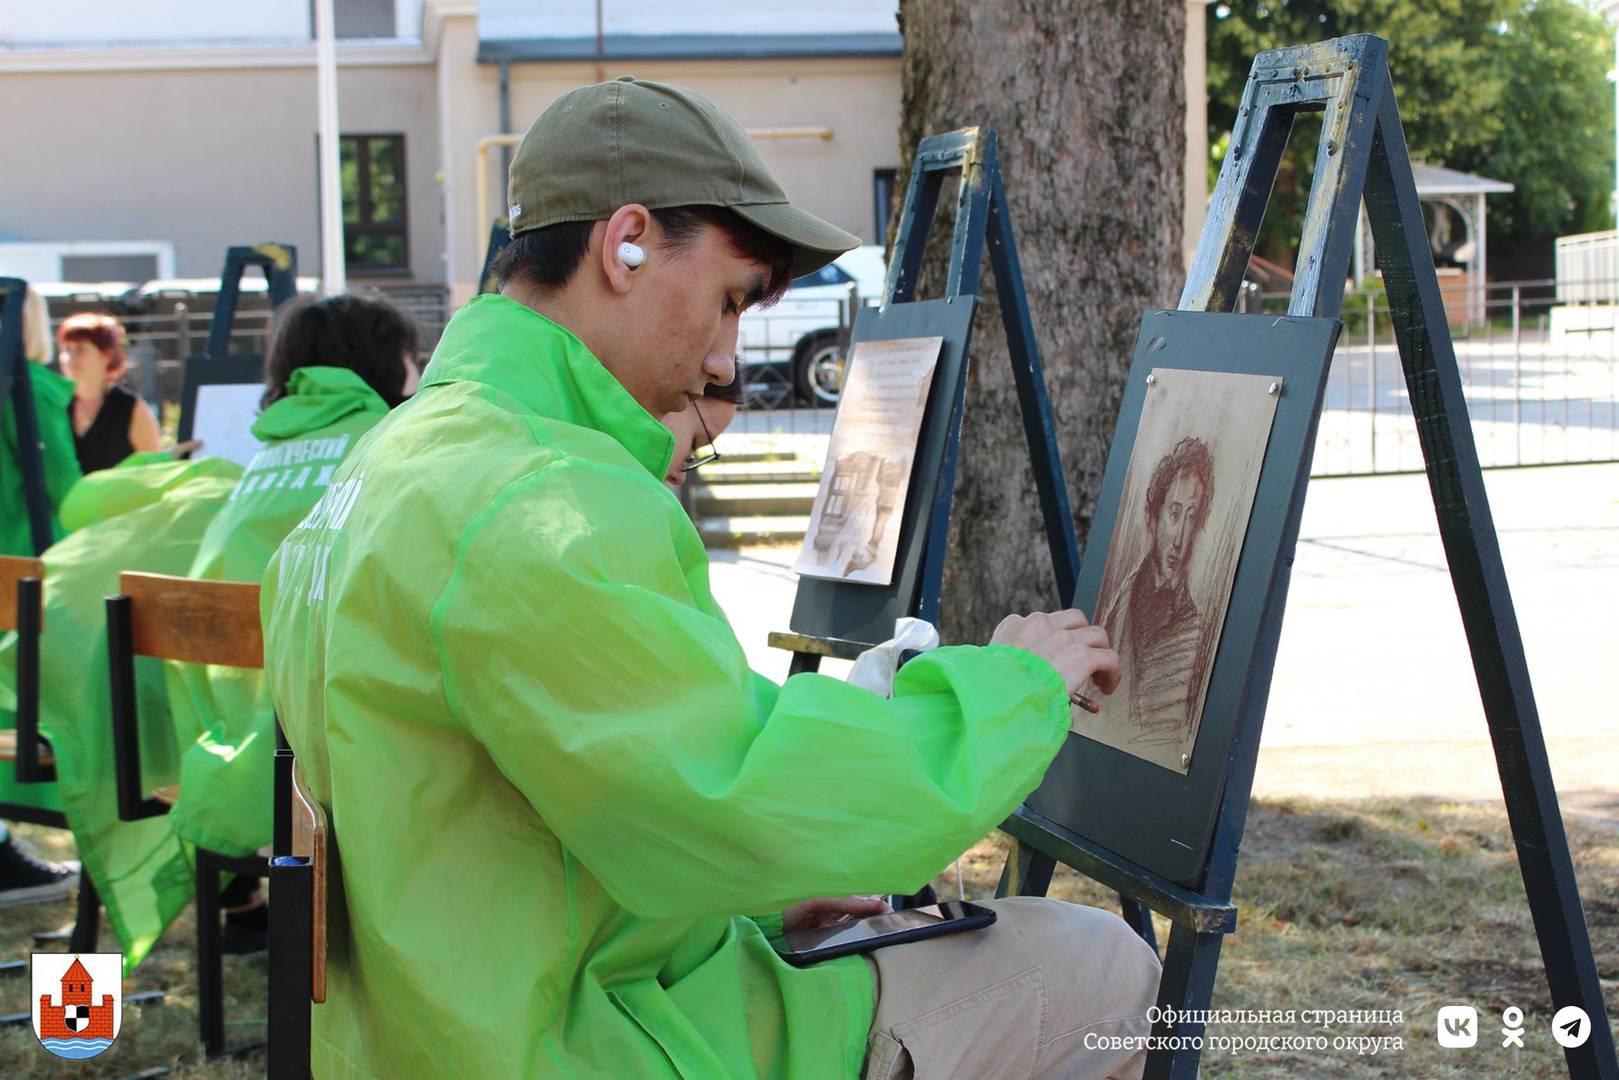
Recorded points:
366,334
1191,456
546,258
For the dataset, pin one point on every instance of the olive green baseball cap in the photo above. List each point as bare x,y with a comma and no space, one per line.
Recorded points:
603,146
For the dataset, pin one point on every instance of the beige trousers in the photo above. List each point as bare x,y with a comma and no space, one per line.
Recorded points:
1014,1001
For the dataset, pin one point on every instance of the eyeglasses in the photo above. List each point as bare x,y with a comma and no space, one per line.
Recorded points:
697,461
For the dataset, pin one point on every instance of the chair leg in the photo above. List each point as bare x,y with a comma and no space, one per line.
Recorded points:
291,927
210,963
87,927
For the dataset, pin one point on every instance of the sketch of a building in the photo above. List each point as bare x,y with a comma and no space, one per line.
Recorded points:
862,496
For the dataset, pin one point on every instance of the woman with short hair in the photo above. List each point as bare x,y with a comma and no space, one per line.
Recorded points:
110,421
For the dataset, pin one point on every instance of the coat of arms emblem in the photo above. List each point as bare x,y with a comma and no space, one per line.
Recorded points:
78,1002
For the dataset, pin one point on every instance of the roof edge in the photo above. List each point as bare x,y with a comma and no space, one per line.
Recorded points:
687,47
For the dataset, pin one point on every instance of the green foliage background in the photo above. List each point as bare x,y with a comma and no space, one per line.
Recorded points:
1515,90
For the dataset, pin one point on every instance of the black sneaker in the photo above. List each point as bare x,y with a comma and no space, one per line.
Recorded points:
246,927
27,879
238,940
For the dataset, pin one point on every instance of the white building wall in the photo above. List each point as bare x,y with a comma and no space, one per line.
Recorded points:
203,158
88,22
499,19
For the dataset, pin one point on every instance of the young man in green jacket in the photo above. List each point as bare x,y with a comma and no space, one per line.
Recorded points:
561,800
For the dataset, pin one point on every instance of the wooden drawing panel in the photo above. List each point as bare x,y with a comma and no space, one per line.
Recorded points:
853,532
1162,818
219,402
866,613
1173,555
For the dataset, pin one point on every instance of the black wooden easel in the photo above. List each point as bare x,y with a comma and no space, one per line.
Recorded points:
1362,153
499,237
16,387
824,608
280,265
218,364
981,221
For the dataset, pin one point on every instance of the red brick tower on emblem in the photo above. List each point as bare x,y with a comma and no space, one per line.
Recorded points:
75,1017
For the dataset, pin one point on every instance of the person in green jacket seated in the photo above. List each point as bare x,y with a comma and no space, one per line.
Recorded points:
24,877
335,367
148,513
52,394
569,820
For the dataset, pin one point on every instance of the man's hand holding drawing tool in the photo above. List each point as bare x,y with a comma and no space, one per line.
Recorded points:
1079,651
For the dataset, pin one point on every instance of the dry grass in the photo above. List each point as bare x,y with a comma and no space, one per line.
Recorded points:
153,1034
1384,905
1344,905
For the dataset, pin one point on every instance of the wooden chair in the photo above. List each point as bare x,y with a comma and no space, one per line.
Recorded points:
22,608
196,622
298,876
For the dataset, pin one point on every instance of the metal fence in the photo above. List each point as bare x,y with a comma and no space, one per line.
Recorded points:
785,352
1588,268
1540,374
1541,381
166,329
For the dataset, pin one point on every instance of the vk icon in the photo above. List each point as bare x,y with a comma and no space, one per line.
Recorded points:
1458,1026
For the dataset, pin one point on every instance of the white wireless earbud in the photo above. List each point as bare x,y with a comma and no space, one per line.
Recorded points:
631,254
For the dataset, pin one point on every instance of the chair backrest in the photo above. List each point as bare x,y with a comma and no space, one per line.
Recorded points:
198,622
309,842
170,618
22,608
13,572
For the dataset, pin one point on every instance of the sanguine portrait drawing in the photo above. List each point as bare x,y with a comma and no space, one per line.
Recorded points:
1188,493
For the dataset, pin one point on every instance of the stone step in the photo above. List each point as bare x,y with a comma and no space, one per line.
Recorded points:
731,532
784,471
754,500
755,456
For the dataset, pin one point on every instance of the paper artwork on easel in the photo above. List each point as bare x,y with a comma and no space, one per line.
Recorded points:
854,525
1188,495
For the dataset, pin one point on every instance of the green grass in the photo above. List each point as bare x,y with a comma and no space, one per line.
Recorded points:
1343,905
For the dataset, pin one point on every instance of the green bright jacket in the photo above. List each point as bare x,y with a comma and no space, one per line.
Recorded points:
223,720
148,513
555,789
53,394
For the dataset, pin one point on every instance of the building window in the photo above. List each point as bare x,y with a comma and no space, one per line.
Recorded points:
115,267
359,18
883,182
373,172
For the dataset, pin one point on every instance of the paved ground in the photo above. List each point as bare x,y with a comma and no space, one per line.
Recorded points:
1374,692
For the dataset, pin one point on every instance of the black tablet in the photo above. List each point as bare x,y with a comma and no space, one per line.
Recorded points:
877,931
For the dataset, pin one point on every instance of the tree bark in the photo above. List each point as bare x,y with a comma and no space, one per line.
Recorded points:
1088,102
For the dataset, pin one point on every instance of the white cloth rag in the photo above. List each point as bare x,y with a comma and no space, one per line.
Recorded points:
875,668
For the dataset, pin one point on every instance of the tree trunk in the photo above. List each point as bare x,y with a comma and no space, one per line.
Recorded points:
1088,101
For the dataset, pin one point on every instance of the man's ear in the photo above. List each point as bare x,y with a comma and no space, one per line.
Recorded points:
630,224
